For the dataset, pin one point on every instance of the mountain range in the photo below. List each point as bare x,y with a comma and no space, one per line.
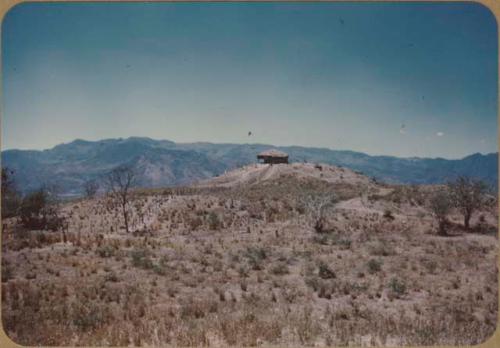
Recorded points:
162,163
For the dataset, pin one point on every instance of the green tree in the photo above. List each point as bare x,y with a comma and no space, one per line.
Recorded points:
39,210
467,195
440,205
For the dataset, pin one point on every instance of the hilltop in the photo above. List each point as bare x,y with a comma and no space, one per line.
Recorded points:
257,173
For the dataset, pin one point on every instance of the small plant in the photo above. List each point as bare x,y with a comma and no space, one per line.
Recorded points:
313,282
325,272
381,249
214,222
255,257
398,287
158,269
344,243
280,269
321,239
141,259
374,266
430,265
6,273
195,223
105,251
89,316
111,277
388,215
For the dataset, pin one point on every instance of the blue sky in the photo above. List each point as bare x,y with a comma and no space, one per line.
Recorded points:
394,78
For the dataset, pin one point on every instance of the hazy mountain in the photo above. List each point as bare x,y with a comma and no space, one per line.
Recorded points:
165,163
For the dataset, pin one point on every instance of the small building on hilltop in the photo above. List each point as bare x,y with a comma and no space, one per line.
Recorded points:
272,157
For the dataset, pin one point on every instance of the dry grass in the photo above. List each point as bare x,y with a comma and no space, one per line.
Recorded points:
243,266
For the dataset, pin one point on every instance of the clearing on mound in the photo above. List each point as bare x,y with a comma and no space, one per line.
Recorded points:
258,173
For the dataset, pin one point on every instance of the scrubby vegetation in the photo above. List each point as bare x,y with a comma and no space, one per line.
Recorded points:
247,265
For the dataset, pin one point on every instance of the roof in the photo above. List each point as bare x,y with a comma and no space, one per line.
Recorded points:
272,153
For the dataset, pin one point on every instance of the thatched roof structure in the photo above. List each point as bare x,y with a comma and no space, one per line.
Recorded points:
272,153
273,156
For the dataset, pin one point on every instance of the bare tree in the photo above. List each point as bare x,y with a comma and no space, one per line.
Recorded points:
440,205
90,187
467,195
317,205
119,182
11,199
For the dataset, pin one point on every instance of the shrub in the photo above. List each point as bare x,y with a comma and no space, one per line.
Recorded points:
374,266
158,269
10,197
381,249
214,222
398,287
38,211
321,239
255,257
313,282
388,214
440,205
325,272
141,259
89,315
6,273
195,223
105,251
280,269
344,243
111,277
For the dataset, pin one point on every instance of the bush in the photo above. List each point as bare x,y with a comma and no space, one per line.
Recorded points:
280,269
398,287
89,316
105,251
37,211
388,215
344,243
194,223
381,249
440,205
321,239
325,272
255,257
313,282
213,221
141,259
374,266
7,273
10,197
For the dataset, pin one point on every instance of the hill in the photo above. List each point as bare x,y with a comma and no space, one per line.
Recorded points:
282,255
164,163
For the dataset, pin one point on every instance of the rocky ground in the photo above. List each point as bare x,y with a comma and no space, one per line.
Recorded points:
236,260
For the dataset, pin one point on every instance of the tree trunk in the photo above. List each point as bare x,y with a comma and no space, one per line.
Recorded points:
466,220
442,228
125,216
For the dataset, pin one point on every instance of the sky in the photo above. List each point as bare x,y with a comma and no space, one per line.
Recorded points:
399,79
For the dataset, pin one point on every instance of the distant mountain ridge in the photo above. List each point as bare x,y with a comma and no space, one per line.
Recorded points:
165,163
